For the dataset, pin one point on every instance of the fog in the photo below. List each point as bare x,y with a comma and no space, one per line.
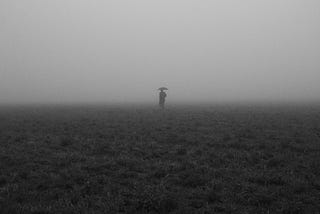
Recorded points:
123,50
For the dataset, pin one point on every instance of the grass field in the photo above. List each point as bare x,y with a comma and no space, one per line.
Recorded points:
204,159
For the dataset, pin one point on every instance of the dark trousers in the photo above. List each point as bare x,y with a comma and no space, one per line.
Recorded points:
161,103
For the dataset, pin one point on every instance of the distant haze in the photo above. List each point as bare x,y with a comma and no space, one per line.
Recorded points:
123,50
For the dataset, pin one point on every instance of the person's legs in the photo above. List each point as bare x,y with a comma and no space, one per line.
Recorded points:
161,104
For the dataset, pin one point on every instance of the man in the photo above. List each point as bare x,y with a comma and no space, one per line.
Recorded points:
162,98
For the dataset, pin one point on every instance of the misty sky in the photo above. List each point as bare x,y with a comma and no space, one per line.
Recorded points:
123,50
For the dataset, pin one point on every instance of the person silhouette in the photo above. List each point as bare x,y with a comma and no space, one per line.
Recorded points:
162,97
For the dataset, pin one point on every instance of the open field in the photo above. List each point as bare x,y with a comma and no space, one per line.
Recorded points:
218,159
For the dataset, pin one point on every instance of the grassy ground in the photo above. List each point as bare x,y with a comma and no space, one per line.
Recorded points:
218,159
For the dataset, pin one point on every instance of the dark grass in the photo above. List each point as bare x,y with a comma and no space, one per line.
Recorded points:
218,159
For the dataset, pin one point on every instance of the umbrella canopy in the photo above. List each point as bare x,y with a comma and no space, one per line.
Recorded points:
163,88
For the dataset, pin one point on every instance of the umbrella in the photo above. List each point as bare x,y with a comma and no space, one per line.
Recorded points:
163,88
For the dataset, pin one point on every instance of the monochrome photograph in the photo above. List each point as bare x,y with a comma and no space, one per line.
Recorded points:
159,107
